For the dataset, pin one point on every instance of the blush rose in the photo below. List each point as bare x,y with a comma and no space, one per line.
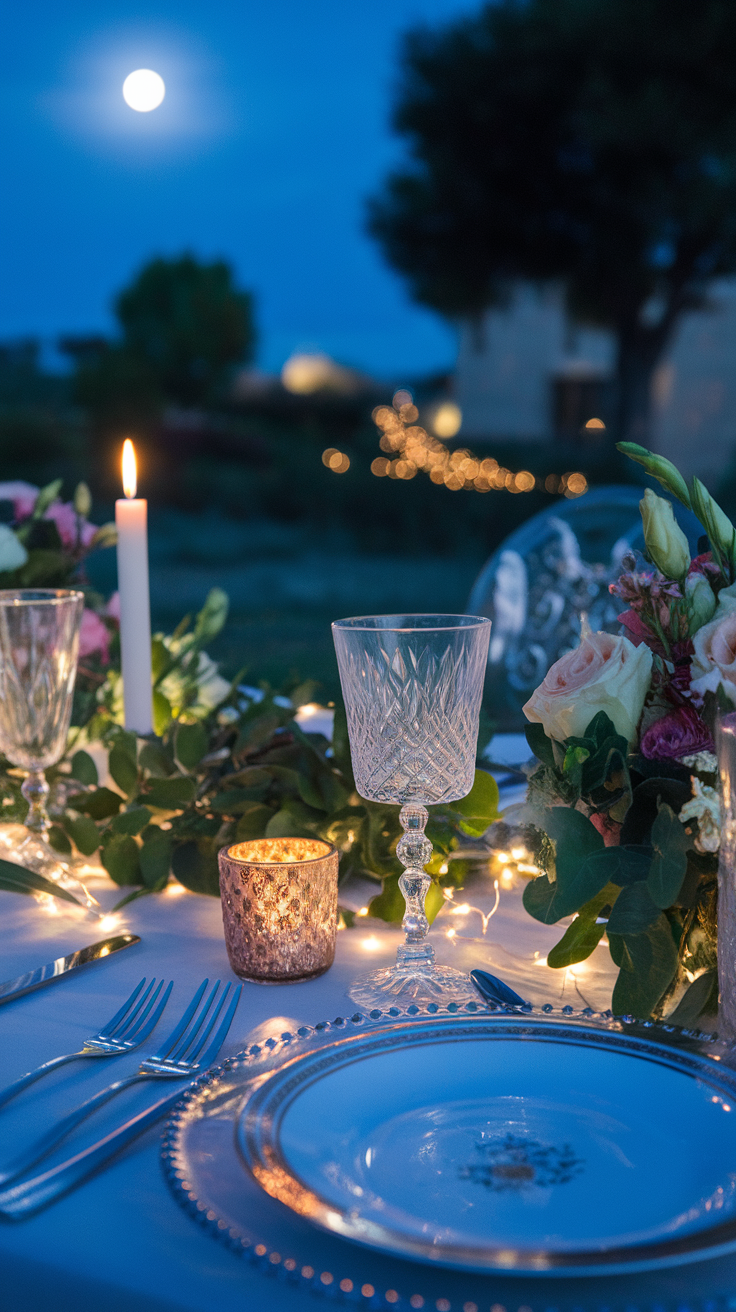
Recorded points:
605,673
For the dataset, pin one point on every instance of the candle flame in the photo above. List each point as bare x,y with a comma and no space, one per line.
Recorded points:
130,473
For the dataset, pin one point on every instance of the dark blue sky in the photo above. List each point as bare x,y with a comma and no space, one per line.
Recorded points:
273,130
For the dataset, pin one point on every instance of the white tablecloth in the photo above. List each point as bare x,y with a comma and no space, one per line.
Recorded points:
121,1241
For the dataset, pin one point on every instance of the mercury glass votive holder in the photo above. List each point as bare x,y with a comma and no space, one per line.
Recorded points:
279,907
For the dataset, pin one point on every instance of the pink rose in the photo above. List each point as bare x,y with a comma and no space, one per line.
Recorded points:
679,733
605,673
112,609
65,518
93,636
714,662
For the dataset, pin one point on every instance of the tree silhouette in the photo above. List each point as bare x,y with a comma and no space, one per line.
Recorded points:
590,142
183,329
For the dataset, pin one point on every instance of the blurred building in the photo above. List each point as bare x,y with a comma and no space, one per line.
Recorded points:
525,373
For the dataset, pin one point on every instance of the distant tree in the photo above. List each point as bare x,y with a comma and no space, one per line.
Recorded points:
590,142
183,329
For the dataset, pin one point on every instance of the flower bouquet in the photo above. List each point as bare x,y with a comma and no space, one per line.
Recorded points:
624,800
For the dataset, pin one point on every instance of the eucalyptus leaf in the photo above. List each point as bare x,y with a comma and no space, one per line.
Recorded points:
99,805
253,822
162,713
577,943
156,761
480,808
83,832
84,769
155,857
578,878
669,863
540,744
131,821
123,768
170,794
633,912
648,966
390,903
192,742
119,856
286,824
58,840
195,866
538,898
701,997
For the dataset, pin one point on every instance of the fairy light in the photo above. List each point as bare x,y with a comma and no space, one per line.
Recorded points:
175,890
465,909
363,911
408,449
371,944
109,922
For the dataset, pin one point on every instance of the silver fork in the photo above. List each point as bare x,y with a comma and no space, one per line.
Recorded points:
30,1196
179,1056
129,1027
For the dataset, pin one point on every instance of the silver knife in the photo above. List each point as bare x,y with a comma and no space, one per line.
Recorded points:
35,979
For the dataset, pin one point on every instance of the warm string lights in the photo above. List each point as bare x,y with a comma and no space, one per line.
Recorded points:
336,460
410,448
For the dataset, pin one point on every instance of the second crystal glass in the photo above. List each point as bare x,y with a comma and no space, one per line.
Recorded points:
39,642
412,686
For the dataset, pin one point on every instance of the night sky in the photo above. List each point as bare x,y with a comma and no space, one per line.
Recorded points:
274,128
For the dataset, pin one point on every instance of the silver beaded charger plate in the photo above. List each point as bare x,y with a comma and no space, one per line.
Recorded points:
487,1145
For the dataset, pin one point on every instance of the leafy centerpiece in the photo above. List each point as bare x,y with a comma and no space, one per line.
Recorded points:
226,762
624,799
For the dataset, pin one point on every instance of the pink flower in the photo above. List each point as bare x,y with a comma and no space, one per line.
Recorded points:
65,518
609,830
679,733
112,609
23,496
93,636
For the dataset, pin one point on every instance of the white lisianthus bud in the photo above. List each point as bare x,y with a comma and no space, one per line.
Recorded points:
665,540
660,468
701,601
715,521
82,500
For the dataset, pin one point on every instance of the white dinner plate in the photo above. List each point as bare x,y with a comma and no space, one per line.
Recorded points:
505,1142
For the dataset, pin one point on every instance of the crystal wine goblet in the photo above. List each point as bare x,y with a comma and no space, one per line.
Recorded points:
39,643
412,686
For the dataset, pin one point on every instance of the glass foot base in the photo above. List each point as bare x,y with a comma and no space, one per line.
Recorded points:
404,984
37,855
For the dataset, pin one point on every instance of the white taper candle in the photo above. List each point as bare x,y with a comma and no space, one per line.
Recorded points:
131,519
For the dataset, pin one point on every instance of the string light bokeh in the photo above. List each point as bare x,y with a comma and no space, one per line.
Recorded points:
409,449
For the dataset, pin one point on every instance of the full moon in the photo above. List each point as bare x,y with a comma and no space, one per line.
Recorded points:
143,90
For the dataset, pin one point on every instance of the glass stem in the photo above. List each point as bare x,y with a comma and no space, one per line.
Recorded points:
414,851
36,790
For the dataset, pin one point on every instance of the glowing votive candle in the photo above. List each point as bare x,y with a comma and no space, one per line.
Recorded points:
279,907
131,519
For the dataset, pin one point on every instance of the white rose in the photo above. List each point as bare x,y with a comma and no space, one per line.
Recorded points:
605,673
12,552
